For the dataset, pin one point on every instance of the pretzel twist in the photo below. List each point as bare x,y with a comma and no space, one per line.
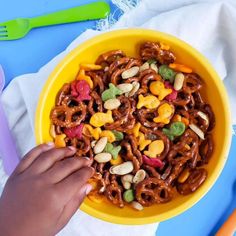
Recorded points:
193,182
113,193
153,190
68,117
95,104
108,57
152,50
63,92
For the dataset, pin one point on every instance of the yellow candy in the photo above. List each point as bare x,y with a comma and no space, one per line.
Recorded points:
89,130
99,119
158,88
187,147
149,102
117,161
164,46
95,197
110,136
135,130
82,76
88,67
183,176
165,111
60,140
155,148
142,142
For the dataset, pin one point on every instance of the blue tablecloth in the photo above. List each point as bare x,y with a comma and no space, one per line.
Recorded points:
30,53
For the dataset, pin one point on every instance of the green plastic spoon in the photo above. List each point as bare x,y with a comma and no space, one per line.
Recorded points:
18,28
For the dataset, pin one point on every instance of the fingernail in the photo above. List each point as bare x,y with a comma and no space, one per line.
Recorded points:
50,144
88,189
72,148
87,158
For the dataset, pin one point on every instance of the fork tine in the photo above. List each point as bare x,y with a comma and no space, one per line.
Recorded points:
3,30
3,38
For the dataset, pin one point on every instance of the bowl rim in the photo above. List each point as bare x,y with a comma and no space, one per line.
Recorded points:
220,86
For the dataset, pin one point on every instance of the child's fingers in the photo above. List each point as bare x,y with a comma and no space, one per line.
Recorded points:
69,186
66,167
47,159
73,205
30,157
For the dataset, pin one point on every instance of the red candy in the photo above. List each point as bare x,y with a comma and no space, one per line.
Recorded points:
171,97
74,132
154,162
80,90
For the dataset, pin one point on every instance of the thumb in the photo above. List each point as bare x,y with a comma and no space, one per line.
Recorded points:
72,206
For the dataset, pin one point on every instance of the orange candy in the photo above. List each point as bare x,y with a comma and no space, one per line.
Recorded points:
180,118
180,67
88,67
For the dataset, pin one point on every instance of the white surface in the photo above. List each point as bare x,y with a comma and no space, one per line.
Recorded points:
209,26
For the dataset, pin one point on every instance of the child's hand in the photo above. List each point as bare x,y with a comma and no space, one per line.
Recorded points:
44,192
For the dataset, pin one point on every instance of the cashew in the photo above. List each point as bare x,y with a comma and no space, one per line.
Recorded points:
136,205
198,131
144,66
122,169
126,185
100,145
136,86
153,66
130,72
127,178
125,88
102,157
179,81
203,116
112,104
139,176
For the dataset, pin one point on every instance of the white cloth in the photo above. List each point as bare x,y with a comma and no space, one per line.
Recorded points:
209,26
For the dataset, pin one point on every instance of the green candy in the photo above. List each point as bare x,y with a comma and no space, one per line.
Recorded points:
119,135
168,134
108,147
176,129
151,61
110,93
128,195
166,73
114,151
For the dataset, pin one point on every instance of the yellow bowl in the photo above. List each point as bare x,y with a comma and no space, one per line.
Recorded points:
129,41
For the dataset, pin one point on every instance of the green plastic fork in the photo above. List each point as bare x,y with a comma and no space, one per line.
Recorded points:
18,28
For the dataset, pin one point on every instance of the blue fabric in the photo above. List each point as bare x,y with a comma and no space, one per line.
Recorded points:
30,53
